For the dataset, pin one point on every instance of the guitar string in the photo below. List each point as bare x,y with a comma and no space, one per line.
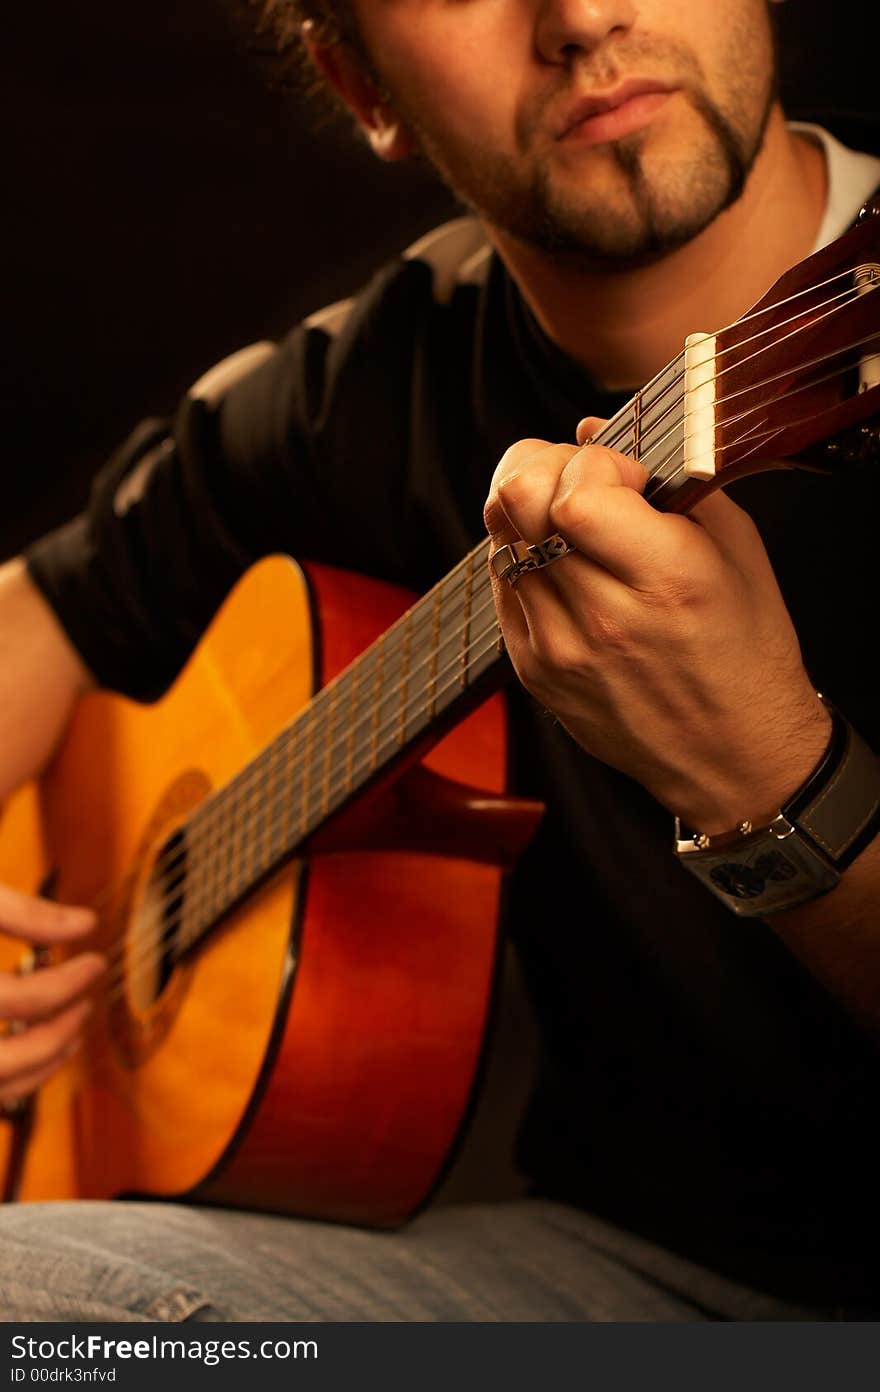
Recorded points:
238,808
125,978
619,436
274,750
622,433
652,493
413,673
150,956
152,950
648,404
846,297
758,313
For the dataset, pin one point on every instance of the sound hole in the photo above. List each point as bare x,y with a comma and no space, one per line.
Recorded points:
157,933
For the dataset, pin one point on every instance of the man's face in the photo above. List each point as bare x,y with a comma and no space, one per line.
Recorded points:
603,131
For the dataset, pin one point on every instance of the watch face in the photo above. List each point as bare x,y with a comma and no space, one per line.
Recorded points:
739,881
743,881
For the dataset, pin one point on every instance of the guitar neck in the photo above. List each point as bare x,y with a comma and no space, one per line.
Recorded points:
404,690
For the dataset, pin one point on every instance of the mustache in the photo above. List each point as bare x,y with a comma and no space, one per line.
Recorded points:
654,56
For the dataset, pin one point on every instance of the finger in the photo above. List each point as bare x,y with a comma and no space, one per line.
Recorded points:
523,491
508,609
45,992
37,1047
599,508
29,1082
39,920
588,427
522,458
729,526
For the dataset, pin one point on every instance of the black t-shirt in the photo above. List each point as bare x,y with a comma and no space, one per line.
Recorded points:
699,1086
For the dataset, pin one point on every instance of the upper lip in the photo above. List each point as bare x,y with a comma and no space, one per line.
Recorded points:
607,101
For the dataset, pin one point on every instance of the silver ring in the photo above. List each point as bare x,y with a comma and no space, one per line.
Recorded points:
511,561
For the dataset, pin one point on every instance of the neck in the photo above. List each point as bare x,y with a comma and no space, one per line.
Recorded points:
623,326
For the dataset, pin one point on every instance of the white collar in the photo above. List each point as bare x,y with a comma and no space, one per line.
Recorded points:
852,177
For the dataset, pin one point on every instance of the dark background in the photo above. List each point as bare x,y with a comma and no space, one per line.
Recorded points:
170,198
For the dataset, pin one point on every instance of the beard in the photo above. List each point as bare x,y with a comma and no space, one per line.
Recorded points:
631,205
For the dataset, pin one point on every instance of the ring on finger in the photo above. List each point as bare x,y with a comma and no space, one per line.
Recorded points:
512,561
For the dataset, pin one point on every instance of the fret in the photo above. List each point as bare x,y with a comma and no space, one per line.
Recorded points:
421,652
484,643
238,844
185,928
381,704
379,649
255,811
271,841
620,431
208,855
306,788
403,684
354,686
636,451
450,624
278,843
661,423
466,617
326,792
190,917
435,649
391,692
292,741
365,719
222,850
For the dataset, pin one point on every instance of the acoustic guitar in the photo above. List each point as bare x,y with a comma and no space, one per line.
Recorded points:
297,854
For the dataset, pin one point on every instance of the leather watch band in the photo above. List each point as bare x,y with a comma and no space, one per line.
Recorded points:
804,850
838,806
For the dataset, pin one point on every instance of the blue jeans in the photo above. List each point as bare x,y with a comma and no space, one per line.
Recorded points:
522,1260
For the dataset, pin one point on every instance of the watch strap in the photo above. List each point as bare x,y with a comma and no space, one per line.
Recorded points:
838,805
813,839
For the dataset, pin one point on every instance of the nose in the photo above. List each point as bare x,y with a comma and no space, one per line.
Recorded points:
568,28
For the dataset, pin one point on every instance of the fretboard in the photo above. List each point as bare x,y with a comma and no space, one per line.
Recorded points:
406,685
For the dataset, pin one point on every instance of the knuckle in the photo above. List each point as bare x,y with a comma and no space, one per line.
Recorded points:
602,458
610,630
513,487
493,513
558,654
570,511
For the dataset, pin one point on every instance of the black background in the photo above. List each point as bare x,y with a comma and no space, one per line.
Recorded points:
170,198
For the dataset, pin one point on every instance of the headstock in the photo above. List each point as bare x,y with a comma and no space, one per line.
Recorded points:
803,365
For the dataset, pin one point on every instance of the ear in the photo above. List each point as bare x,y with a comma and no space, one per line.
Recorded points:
350,78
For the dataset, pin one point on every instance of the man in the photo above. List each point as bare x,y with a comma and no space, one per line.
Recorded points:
709,1092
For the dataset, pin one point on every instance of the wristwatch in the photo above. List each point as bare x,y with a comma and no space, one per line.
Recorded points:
804,850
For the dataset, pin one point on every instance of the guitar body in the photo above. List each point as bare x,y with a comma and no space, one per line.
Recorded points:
316,1053
308,1043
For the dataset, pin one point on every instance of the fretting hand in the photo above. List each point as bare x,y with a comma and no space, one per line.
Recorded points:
663,643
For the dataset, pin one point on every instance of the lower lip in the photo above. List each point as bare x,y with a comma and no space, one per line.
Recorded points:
621,120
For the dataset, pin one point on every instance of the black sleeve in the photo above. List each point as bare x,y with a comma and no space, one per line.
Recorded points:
351,445
176,516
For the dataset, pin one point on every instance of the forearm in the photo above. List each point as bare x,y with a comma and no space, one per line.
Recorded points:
40,678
